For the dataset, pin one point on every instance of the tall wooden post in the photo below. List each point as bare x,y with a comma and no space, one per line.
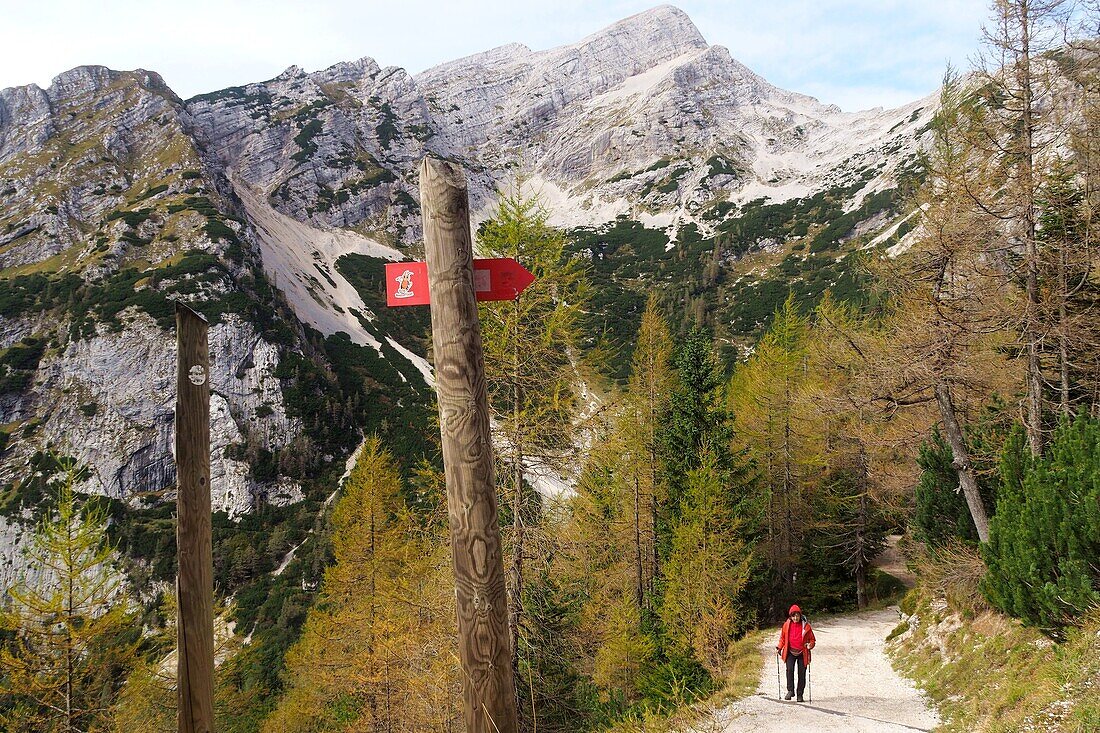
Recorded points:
483,643
195,581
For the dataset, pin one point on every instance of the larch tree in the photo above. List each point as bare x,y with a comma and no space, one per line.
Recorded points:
377,652
148,701
68,633
945,334
646,402
1016,133
598,561
708,566
784,432
532,353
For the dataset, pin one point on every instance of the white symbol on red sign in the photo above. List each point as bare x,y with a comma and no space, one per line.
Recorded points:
404,285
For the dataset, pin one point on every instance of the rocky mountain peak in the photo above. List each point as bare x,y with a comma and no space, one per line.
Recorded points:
347,71
660,28
79,81
291,72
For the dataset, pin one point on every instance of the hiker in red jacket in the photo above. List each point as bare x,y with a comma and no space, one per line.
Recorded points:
795,642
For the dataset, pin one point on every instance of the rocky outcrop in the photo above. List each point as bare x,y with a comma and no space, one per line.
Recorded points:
337,147
110,401
92,143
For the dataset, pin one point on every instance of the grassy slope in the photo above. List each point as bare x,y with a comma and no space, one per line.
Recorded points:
987,672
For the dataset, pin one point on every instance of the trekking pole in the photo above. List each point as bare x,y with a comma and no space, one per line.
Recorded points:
778,684
810,682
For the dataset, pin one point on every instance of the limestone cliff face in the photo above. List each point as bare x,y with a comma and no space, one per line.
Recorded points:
646,117
336,148
109,213
72,153
110,399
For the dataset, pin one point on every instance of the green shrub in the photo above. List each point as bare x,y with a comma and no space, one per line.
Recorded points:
132,218
898,631
150,192
304,140
18,364
1045,538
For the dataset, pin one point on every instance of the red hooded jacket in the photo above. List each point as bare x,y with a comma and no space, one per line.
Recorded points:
808,640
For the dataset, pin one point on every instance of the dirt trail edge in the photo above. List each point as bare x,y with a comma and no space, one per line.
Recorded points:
854,686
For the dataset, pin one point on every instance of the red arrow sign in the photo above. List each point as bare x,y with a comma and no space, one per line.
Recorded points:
494,279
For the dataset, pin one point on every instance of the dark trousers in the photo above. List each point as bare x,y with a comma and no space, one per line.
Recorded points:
793,661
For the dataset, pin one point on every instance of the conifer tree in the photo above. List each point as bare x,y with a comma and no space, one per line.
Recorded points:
531,362
69,633
1014,132
147,702
784,432
1044,549
647,399
598,563
1071,292
696,416
377,650
941,513
708,566
946,334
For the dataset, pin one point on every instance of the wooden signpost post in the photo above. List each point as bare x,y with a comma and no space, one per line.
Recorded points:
483,643
195,579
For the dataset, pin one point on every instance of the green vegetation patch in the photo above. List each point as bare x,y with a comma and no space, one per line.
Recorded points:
18,364
304,140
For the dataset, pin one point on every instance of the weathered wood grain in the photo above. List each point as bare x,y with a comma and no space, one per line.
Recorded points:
484,647
195,579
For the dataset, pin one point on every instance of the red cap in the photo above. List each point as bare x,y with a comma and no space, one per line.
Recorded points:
794,609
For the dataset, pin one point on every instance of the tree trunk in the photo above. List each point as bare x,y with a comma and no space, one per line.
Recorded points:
1026,172
961,461
860,551
638,585
1063,337
515,605
861,586
653,480
70,619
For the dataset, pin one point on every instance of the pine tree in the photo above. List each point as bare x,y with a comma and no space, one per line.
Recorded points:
69,637
1045,541
941,513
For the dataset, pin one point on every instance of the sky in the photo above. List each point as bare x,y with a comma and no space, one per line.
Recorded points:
856,54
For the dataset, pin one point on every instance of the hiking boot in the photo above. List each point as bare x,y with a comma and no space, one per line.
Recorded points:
789,696
799,699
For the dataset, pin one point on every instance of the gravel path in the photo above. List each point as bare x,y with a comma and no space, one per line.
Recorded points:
854,686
